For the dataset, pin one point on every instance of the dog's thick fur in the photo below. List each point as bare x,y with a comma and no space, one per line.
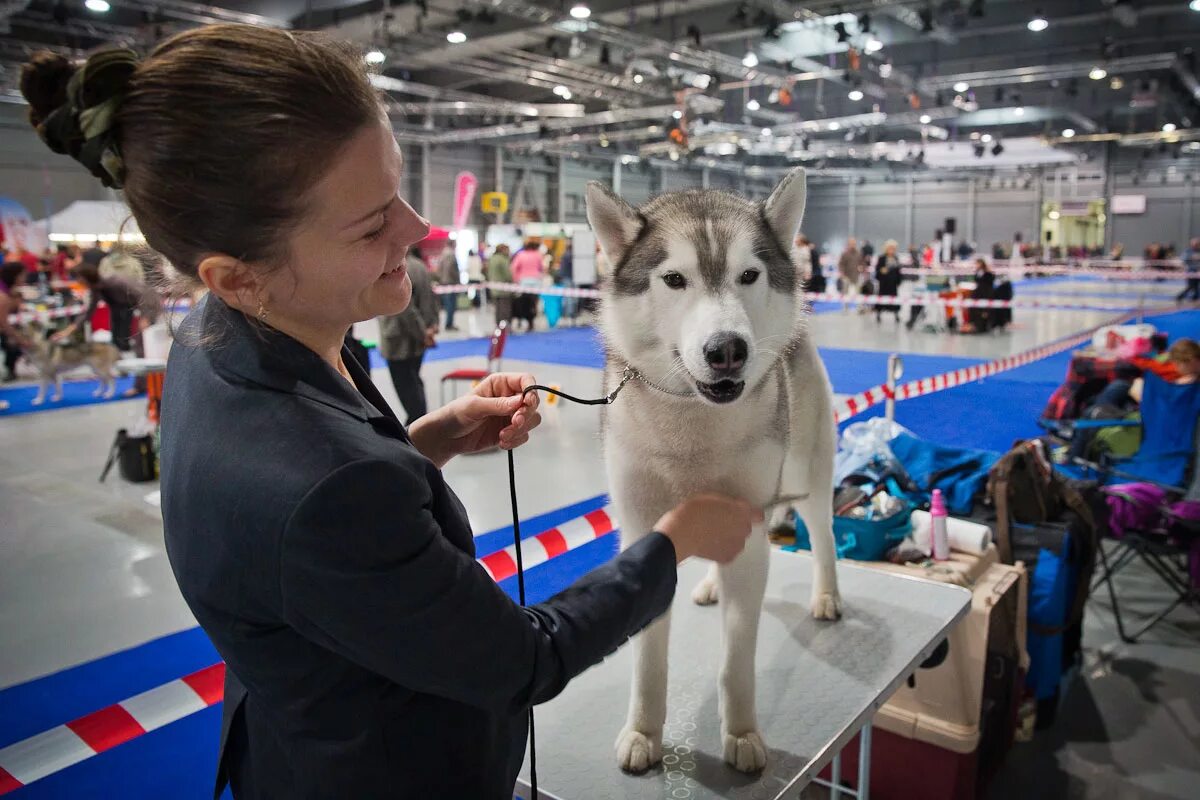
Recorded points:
667,441
52,359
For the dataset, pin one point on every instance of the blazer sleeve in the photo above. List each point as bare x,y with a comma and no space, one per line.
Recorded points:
366,572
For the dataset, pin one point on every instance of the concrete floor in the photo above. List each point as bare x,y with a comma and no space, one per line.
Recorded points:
83,572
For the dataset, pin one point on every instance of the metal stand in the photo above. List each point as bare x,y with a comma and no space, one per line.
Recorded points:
818,685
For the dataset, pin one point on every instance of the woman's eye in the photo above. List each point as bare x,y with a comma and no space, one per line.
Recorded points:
375,234
748,277
674,280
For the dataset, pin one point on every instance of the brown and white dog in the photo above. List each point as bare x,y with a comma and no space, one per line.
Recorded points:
52,359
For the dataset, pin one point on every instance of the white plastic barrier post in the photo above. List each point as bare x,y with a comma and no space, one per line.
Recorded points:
895,370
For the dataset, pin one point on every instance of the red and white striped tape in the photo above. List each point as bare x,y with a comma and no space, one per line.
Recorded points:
855,405
1083,272
43,315
61,747
915,299
58,748
541,548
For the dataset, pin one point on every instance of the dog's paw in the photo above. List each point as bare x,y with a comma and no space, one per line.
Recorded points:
637,752
826,605
705,593
37,401
745,752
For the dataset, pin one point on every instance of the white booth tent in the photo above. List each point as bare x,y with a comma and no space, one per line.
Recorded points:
86,222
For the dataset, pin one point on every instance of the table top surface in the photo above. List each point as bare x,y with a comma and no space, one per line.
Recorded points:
818,683
141,366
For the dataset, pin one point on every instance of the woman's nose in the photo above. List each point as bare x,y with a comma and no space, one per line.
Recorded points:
413,227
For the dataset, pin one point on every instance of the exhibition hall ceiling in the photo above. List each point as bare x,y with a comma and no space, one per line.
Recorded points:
760,83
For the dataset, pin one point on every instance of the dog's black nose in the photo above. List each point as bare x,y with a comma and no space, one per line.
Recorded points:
725,352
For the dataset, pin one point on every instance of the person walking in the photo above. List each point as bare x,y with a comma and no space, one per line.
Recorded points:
314,538
850,271
887,278
499,270
404,337
448,275
1191,263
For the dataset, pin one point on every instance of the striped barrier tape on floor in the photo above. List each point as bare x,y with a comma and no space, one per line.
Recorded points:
46,753
541,548
1174,273
914,299
855,405
58,748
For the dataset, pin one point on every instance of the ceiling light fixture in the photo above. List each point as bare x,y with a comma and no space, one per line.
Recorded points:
1116,83
961,86
99,6
1019,111
563,92
637,77
855,94
1169,127
1098,73
750,60
580,11
375,57
1038,23
677,114
873,45
833,126
1194,5
752,105
926,119
1068,133
987,137
456,37
766,132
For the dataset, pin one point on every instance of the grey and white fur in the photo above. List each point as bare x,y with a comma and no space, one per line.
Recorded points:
705,303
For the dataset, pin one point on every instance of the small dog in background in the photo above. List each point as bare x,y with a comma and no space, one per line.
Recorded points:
52,359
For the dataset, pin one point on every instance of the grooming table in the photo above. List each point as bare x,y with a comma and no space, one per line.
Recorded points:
819,684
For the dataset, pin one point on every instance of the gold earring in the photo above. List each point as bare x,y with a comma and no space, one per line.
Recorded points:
262,312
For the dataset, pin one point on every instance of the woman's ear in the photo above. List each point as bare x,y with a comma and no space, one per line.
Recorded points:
232,281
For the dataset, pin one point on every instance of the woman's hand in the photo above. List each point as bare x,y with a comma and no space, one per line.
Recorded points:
494,414
711,526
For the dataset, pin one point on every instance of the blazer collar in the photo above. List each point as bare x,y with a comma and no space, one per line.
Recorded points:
265,356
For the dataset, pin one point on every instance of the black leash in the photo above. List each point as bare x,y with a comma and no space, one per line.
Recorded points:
512,493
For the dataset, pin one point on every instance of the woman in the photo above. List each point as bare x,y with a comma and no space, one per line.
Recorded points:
313,537
404,337
527,270
887,278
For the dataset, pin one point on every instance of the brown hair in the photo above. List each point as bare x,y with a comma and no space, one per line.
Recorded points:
1184,350
221,132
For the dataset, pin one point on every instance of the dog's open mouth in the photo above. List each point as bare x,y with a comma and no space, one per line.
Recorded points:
725,391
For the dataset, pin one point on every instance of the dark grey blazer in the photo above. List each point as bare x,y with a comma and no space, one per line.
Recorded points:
368,654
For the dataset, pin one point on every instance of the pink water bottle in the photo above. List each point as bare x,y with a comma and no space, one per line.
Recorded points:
939,541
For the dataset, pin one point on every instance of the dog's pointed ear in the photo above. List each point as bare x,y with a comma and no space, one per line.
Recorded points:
615,222
784,209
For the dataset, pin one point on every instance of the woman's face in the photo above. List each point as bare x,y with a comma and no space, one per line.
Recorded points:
349,256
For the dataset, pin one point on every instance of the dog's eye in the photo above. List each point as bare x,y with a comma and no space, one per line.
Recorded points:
674,280
748,277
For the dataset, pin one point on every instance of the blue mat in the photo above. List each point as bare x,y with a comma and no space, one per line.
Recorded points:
75,393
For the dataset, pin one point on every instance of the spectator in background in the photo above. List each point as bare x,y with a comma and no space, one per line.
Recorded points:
123,297
28,259
404,337
448,275
850,270
12,273
474,267
500,271
565,275
527,268
887,278
1191,262
93,256
65,260
868,251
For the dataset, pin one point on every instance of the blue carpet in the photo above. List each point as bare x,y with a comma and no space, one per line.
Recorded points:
75,393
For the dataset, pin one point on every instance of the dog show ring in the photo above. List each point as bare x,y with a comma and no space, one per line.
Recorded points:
819,684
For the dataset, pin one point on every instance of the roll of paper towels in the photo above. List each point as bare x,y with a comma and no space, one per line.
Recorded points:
966,537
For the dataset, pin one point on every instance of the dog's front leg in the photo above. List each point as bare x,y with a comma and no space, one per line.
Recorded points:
639,747
809,468
742,584
58,381
41,395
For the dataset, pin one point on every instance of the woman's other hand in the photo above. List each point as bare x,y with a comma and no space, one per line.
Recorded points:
711,526
495,414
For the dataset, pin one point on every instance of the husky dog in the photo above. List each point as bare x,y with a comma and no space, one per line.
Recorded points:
51,359
703,308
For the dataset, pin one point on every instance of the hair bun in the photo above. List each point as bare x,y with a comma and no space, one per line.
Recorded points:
44,81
